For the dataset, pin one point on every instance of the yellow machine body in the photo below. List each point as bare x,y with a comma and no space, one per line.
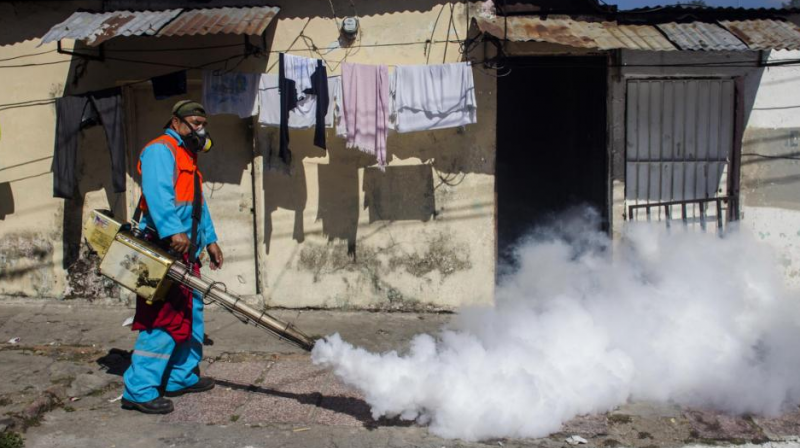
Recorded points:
135,264
149,271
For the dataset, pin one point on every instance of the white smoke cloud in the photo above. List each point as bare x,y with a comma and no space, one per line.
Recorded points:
581,328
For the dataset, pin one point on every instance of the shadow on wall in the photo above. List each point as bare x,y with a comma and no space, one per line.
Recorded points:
771,168
30,20
232,154
92,173
338,199
6,200
281,190
450,151
227,164
401,193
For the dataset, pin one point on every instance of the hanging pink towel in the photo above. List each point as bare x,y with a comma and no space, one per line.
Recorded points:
365,89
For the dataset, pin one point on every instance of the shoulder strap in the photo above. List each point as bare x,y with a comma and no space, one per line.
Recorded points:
197,213
137,215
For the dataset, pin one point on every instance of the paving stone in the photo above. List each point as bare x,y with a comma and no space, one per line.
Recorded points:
244,373
270,406
707,424
288,394
216,406
786,426
295,374
342,405
84,384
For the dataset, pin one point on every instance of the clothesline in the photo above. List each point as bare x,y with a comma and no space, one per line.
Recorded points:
359,102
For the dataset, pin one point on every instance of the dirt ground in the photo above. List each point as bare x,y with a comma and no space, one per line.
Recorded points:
61,382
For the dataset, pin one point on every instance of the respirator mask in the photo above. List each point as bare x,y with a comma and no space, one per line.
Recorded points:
197,141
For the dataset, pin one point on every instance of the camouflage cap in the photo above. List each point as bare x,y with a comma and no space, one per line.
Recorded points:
188,108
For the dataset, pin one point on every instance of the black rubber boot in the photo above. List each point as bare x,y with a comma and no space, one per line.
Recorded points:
160,405
205,383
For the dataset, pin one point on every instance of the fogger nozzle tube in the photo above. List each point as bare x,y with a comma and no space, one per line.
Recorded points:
181,274
143,267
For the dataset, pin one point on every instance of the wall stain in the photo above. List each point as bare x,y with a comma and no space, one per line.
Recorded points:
27,255
441,254
84,279
375,265
332,258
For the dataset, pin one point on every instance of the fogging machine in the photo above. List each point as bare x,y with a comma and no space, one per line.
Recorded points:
149,271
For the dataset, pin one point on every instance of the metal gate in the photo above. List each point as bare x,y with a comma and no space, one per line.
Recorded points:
679,142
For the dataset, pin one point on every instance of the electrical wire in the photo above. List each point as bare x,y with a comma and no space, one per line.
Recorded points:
27,55
767,156
35,64
149,50
46,101
433,32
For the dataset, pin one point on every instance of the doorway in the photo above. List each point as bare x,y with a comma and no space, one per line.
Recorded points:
551,144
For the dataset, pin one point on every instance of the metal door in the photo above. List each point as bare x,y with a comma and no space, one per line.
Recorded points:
679,142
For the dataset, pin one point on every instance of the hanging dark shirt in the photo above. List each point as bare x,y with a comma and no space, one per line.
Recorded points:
288,97
169,85
70,113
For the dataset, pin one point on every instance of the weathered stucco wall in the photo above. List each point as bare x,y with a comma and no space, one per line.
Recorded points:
340,233
771,164
336,233
32,253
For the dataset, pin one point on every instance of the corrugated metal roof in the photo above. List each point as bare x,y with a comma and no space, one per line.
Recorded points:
96,28
716,9
581,34
249,21
701,36
765,34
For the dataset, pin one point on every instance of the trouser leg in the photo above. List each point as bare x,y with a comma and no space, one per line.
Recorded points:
69,110
187,355
151,355
109,106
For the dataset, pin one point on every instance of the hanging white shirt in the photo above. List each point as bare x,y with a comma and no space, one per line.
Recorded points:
230,93
299,69
305,114
434,97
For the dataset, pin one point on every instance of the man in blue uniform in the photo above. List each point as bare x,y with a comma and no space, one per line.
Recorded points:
170,343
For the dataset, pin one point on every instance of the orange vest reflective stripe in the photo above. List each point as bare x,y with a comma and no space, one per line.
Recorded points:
185,166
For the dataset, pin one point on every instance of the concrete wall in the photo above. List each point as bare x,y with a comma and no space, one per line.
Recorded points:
339,233
335,233
32,252
770,135
771,164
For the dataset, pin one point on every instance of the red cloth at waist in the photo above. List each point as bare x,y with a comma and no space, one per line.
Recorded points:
173,314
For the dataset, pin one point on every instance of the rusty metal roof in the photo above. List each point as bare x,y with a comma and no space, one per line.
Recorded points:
701,36
564,30
727,35
97,27
765,34
249,21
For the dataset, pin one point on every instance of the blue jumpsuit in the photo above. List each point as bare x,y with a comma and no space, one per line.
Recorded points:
157,360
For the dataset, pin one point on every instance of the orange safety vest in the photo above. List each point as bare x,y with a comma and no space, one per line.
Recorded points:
185,167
